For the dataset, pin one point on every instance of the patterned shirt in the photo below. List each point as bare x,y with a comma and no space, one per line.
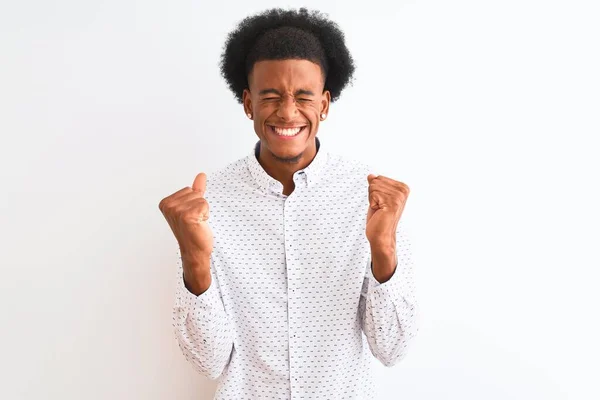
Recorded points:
293,310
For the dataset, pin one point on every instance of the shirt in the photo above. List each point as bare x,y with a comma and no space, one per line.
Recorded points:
293,310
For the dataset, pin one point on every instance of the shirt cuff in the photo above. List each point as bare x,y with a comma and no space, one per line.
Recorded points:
393,288
206,301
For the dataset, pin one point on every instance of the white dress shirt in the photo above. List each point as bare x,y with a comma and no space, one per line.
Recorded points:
293,310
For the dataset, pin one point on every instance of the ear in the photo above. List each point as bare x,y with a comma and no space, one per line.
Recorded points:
326,99
247,102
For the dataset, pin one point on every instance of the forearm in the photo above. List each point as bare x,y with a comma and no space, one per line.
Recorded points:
390,322
389,307
202,328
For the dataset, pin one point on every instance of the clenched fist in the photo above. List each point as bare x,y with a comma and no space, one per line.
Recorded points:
186,211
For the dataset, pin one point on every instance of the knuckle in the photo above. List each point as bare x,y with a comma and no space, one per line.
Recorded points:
164,204
202,207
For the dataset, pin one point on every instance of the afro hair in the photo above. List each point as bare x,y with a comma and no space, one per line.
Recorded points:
279,34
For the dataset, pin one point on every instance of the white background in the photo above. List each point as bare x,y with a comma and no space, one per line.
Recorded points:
488,110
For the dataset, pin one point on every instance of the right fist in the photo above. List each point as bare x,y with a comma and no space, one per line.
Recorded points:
186,211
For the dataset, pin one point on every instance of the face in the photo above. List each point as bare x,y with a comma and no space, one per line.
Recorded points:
286,100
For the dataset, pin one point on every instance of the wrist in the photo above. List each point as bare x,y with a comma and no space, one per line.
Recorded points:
193,254
384,248
196,280
383,263
196,271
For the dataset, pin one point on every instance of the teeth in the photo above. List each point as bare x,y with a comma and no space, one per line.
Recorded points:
287,132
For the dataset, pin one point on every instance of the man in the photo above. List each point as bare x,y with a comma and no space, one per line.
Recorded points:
302,272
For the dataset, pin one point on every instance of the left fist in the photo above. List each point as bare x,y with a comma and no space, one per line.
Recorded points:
387,198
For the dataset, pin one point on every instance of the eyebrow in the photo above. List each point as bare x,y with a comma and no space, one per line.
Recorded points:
299,92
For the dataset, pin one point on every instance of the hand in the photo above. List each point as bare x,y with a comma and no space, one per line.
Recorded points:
187,211
387,198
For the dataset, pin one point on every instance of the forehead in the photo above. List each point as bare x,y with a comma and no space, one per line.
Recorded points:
286,74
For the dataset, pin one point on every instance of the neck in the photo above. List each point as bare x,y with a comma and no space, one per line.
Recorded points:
283,169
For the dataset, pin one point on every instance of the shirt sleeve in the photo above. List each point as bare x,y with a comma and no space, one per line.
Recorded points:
202,328
389,310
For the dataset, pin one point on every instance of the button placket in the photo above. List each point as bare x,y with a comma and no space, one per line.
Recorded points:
289,249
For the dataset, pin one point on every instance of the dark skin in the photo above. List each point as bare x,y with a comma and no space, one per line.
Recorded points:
286,94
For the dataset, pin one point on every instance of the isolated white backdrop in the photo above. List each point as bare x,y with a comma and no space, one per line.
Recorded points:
486,109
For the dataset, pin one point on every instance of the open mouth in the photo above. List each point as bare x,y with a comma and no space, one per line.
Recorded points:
287,133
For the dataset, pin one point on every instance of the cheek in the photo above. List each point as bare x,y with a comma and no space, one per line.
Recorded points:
311,112
265,110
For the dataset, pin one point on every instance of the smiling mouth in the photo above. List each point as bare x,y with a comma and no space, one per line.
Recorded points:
287,132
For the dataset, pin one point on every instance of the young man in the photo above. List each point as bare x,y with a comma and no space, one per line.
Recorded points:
304,250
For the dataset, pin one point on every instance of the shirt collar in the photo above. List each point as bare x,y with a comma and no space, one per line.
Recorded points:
308,175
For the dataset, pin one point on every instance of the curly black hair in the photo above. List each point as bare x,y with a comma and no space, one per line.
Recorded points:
279,34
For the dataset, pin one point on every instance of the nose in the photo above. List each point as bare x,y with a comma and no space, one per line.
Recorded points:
287,108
